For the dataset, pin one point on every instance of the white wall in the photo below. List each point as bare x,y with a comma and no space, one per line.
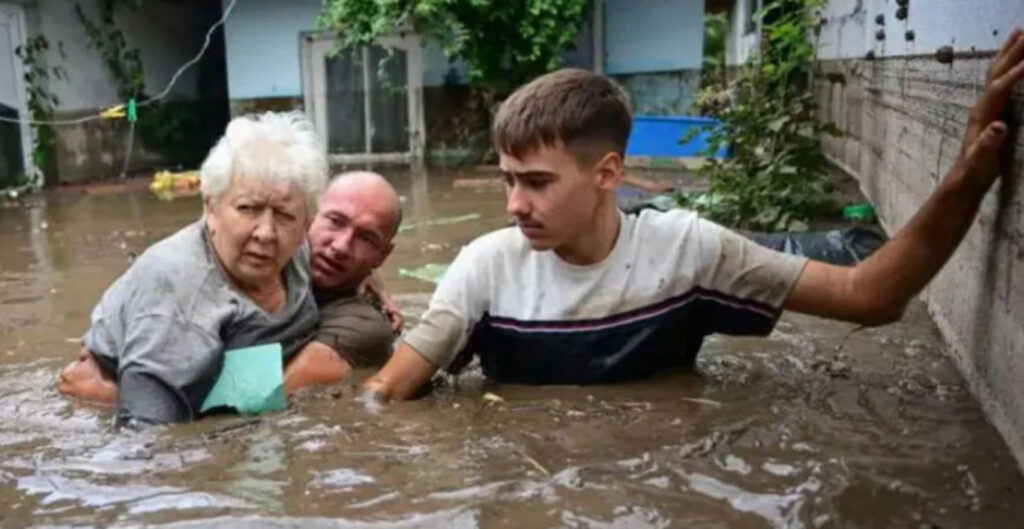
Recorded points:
903,116
979,24
163,32
739,41
850,27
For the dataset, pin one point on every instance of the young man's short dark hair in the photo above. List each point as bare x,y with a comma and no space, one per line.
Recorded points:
589,113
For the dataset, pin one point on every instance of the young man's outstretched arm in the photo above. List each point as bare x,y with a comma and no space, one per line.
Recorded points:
403,375
877,290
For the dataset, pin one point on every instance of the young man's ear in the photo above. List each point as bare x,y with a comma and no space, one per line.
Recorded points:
609,171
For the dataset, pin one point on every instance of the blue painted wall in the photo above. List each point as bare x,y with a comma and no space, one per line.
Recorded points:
653,35
262,40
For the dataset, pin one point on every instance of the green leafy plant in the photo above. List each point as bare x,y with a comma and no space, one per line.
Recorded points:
503,43
122,61
41,101
775,178
716,29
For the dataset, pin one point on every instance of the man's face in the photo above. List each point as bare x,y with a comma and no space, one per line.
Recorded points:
349,237
552,198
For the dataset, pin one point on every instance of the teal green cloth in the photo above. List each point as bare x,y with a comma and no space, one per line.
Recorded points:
251,381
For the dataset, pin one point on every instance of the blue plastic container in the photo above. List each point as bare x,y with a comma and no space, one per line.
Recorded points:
659,136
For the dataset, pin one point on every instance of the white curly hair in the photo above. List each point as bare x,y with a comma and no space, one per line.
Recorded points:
276,147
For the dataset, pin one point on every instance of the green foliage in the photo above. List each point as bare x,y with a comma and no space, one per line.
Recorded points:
174,129
776,176
716,29
122,61
504,43
41,101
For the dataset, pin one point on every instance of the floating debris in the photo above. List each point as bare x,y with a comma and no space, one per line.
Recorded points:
430,272
491,397
167,185
444,221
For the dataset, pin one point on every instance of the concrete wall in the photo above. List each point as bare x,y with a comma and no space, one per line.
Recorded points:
167,34
851,30
653,35
903,115
662,93
654,48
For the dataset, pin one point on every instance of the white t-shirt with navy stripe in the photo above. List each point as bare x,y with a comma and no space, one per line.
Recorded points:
671,279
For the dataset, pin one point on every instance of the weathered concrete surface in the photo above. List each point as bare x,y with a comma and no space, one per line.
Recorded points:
903,119
662,93
95,150
241,107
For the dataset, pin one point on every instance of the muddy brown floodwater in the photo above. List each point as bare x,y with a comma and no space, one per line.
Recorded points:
817,426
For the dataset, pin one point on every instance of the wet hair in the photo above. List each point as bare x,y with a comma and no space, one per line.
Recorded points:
588,113
275,147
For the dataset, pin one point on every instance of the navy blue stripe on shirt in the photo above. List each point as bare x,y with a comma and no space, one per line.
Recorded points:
619,347
650,311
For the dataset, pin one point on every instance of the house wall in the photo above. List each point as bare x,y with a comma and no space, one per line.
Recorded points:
264,54
903,115
659,66
162,31
262,43
167,33
654,48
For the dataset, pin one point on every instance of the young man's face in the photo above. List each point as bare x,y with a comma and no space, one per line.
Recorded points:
553,198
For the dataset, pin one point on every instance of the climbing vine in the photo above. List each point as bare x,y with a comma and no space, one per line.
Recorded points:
41,101
775,177
122,61
160,126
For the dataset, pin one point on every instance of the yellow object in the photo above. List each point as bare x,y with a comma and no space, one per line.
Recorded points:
168,185
114,112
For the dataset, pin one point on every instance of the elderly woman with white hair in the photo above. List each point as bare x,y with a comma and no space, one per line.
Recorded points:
238,276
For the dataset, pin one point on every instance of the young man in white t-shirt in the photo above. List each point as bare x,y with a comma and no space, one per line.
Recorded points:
579,292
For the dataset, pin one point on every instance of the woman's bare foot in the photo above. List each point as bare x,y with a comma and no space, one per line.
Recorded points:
84,379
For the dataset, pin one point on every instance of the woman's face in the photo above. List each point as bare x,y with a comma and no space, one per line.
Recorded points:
255,228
